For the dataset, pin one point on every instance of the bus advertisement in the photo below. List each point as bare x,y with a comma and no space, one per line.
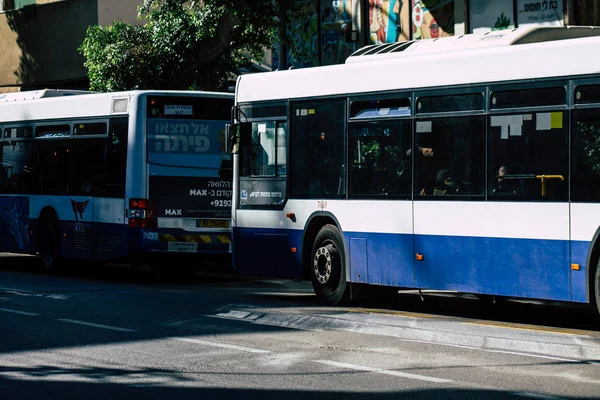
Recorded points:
467,164
114,176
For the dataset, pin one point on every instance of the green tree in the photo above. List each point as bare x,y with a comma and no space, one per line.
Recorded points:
502,22
185,44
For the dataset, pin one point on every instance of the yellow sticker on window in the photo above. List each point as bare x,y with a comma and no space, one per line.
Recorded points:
556,120
311,111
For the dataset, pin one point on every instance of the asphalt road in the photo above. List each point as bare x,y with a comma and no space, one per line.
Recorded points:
119,333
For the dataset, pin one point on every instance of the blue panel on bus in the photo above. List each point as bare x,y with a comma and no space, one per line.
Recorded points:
359,267
579,279
525,268
395,253
389,257
14,224
511,267
96,241
267,252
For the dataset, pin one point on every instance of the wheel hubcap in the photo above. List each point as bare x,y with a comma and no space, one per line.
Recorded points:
323,261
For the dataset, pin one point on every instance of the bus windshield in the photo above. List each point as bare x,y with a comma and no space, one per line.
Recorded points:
180,129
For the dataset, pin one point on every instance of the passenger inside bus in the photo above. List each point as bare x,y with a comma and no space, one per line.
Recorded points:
446,183
430,159
508,183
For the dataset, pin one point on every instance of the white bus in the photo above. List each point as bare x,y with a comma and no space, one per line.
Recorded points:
114,176
469,163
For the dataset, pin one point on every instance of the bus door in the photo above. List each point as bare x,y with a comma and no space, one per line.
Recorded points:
379,223
263,235
585,185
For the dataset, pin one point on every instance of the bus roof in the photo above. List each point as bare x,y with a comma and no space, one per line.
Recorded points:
57,106
523,53
38,94
448,44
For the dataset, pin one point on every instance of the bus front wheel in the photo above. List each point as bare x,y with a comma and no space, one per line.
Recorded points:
48,244
328,266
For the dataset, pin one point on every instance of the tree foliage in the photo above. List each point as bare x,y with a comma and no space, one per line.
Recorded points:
184,44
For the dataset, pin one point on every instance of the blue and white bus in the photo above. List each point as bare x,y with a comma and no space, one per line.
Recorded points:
114,176
468,163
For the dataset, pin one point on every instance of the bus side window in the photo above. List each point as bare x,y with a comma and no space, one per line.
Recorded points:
377,151
585,171
528,156
115,158
16,160
52,159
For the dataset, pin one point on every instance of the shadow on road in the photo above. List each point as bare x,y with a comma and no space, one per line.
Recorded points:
455,305
57,383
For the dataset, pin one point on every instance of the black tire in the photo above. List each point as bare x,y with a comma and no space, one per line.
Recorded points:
49,245
328,267
595,297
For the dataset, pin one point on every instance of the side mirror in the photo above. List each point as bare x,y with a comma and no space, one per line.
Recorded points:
236,134
230,136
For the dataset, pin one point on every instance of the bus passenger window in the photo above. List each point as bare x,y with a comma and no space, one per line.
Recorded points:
115,158
317,145
377,156
16,160
528,156
449,156
585,150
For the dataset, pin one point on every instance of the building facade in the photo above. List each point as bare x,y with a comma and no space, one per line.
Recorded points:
40,38
334,29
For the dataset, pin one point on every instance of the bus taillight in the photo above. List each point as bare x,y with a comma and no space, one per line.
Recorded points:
141,214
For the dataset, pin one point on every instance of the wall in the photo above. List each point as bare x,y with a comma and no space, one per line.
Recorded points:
584,12
40,43
110,11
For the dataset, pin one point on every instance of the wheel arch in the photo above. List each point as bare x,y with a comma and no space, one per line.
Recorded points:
48,210
592,261
313,225
44,212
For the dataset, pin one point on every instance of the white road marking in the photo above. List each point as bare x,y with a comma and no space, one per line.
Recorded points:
533,355
21,292
8,310
301,323
18,292
233,314
223,345
113,328
537,396
383,371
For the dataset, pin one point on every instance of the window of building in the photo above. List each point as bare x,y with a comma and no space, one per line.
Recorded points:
486,15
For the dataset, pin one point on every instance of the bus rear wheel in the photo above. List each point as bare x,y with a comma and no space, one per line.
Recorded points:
328,266
48,244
